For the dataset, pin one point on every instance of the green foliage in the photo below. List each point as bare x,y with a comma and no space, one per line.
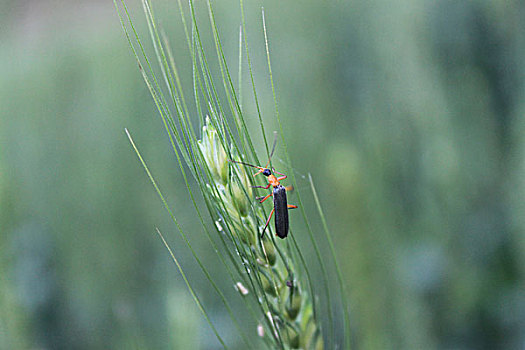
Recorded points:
269,272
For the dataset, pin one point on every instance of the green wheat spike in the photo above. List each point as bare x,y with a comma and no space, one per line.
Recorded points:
270,275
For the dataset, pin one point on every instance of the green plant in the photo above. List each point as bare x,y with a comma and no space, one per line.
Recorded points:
272,276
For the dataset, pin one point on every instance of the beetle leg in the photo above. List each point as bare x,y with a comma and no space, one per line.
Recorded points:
282,178
275,171
267,222
265,187
291,206
260,171
264,197
289,188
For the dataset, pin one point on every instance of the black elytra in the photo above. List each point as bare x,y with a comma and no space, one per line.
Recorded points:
280,205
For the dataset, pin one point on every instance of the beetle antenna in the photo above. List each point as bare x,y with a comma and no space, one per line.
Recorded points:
273,147
274,143
243,163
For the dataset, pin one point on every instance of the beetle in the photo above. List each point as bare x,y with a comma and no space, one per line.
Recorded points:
280,203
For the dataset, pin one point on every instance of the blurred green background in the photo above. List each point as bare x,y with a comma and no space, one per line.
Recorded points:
408,114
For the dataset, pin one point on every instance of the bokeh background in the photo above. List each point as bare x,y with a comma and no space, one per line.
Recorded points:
408,114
